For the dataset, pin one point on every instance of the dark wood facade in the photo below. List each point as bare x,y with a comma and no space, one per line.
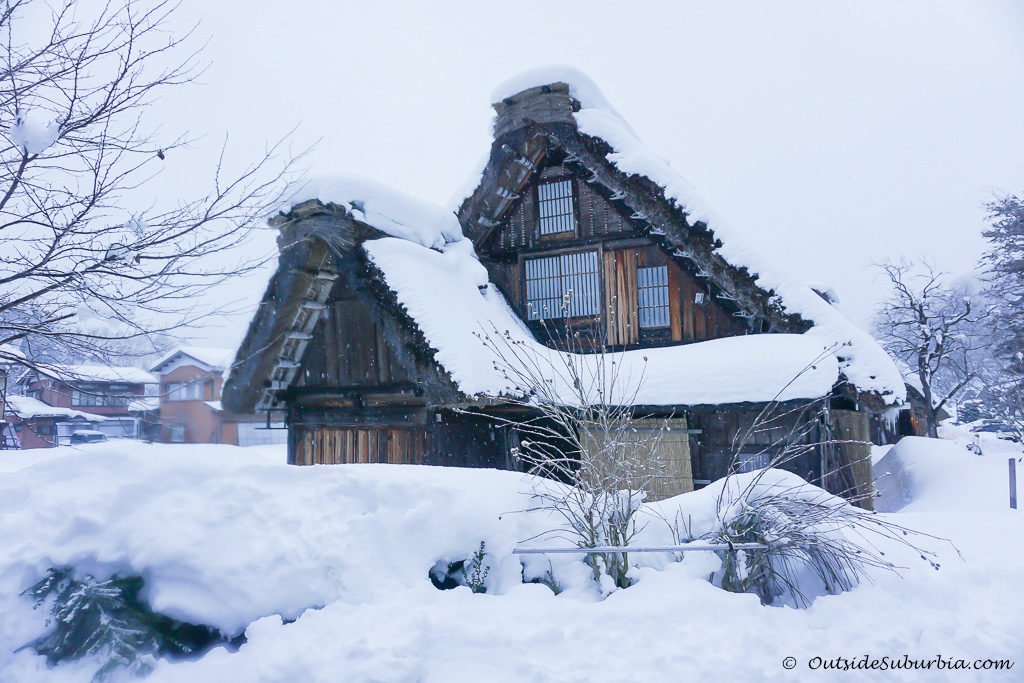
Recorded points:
697,310
552,217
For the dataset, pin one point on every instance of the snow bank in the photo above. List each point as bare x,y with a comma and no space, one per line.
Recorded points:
862,361
441,290
228,537
384,208
919,473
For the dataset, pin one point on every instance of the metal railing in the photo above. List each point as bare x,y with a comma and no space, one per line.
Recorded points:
642,549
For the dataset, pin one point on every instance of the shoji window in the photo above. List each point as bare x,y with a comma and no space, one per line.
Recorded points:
652,296
750,462
566,285
555,205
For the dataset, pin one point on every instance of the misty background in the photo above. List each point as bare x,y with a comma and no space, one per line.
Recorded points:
836,135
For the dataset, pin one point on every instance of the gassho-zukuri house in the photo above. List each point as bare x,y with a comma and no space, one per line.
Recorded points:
373,333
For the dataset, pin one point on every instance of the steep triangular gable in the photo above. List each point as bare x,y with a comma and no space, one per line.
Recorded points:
535,131
557,115
320,255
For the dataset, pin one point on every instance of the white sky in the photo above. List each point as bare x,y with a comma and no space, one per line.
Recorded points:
838,134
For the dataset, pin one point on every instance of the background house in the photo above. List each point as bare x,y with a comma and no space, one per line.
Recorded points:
35,424
190,410
109,392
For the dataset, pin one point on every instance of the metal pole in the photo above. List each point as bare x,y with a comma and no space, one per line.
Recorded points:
641,549
1013,484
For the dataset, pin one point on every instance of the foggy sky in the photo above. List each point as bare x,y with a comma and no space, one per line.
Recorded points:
836,134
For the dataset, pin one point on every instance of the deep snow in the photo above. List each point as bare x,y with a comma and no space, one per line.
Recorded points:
239,540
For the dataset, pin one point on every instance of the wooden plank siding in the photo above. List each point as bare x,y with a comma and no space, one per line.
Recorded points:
602,226
688,321
349,349
621,297
345,445
596,218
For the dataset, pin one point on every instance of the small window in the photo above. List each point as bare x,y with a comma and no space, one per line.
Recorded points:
652,296
184,391
87,395
562,286
178,433
555,207
749,462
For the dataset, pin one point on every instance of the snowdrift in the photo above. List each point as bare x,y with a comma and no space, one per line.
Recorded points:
326,571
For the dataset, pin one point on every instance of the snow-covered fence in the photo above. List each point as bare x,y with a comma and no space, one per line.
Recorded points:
642,549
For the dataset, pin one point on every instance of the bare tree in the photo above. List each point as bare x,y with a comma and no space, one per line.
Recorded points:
82,275
582,429
932,328
578,424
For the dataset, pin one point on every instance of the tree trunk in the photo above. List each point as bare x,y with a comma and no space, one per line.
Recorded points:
933,423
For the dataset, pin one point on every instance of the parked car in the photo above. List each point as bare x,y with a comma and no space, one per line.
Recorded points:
87,436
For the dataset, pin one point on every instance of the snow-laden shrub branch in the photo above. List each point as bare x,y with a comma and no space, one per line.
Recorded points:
581,430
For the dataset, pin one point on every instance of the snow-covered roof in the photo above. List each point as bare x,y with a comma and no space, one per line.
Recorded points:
27,408
441,291
862,360
435,275
97,373
143,404
379,206
210,358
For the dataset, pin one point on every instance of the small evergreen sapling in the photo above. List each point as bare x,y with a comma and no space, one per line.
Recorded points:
107,620
476,576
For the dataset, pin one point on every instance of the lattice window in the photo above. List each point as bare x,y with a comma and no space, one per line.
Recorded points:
555,207
749,462
566,285
652,296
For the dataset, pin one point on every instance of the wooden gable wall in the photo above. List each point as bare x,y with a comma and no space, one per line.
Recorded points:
349,348
601,225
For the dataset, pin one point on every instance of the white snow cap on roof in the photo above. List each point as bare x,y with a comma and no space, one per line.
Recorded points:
390,211
98,373
27,408
863,362
441,292
214,358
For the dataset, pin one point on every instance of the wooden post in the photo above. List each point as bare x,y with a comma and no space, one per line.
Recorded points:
1013,484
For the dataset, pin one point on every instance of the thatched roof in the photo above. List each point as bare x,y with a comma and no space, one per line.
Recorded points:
561,120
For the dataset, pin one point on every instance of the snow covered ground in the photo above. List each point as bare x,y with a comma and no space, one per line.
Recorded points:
326,570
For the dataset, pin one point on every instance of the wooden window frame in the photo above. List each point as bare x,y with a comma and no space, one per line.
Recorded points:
559,255
640,307
575,214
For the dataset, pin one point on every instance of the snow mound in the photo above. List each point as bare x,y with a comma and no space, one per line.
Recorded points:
225,536
390,211
920,473
448,296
